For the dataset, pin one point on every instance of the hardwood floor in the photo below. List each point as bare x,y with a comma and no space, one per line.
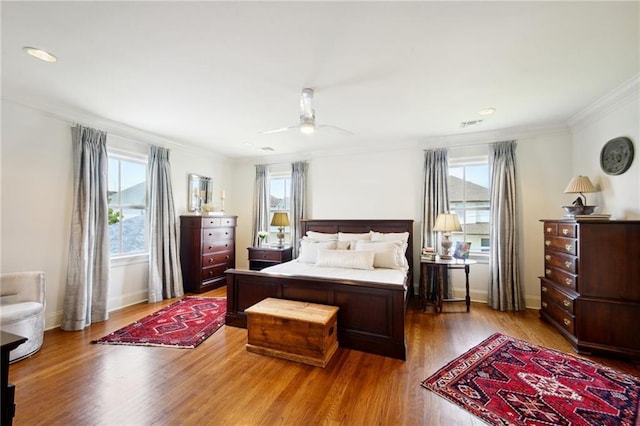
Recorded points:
72,382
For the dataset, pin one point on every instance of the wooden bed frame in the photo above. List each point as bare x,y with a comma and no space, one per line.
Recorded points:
371,315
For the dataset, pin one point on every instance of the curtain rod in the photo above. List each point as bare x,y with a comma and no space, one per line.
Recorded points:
467,145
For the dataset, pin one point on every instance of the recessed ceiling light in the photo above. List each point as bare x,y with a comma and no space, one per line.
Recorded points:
40,54
487,111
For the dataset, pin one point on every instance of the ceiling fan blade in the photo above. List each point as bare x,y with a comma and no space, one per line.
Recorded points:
283,129
350,133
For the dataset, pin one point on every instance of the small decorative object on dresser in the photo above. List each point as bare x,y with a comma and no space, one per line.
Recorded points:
261,257
207,249
579,185
590,290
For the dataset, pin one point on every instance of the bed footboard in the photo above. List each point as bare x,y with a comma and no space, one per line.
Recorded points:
371,315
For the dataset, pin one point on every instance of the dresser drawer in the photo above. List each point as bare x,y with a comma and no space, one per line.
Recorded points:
559,260
562,317
215,246
565,245
561,277
217,258
567,230
214,222
211,234
214,272
550,228
552,295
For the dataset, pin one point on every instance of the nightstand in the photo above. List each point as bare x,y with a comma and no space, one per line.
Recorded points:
261,257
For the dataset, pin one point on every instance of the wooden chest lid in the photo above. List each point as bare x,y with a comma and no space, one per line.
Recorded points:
289,309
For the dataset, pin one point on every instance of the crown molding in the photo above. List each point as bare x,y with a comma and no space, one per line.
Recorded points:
623,94
115,128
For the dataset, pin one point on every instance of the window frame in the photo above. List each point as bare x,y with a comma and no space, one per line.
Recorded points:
272,238
463,162
120,259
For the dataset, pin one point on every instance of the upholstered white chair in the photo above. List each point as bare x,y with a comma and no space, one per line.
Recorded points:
22,306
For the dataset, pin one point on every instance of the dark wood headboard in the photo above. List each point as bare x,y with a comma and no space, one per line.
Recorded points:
332,226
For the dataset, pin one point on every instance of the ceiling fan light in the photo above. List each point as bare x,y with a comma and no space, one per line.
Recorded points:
307,128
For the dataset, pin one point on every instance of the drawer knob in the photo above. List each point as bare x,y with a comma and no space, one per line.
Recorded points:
226,257
565,231
549,230
566,303
547,243
544,304
544,289
567,264
569,247
547,257
569,281
547,272
210,260
566,322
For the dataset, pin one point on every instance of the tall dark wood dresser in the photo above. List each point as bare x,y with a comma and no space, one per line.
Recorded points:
207,249
590,290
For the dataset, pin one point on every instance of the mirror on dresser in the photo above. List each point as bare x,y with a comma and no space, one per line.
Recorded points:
200,192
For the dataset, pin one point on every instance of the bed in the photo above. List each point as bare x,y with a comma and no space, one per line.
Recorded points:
371,315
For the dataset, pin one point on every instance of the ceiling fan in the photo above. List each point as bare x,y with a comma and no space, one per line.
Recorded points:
307,118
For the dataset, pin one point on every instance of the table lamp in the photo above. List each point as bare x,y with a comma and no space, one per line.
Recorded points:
280,219
447,223
579,185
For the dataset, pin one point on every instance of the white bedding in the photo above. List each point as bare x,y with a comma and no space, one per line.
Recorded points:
378,275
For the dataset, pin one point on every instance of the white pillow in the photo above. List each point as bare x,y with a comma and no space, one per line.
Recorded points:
390,236
343,245
321,236
345,236
309,249
353,238
388,254
345,259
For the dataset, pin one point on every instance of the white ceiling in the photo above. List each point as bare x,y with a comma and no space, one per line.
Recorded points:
217,74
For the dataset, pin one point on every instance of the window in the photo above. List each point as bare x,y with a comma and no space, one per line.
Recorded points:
469,199
279,201
127,197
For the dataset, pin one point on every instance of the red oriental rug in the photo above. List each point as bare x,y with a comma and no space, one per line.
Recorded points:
506,381
183,324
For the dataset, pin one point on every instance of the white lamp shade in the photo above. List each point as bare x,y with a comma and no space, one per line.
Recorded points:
447,222
580,184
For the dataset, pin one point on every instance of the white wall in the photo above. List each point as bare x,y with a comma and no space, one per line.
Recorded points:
37,195
615,115
387,184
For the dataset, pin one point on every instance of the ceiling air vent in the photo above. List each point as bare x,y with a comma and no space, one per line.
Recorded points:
470,123
267,148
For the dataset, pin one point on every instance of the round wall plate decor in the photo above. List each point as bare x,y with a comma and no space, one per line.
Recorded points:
616,156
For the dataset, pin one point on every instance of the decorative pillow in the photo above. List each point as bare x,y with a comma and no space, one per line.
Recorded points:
390,236
345,259
388,254
343,245
309,249
321,236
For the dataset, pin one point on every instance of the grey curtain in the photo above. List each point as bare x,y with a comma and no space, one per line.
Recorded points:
87,288
435,200
165,276
298,202
260,202
505,292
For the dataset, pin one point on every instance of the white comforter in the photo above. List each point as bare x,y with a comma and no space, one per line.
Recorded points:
378,275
